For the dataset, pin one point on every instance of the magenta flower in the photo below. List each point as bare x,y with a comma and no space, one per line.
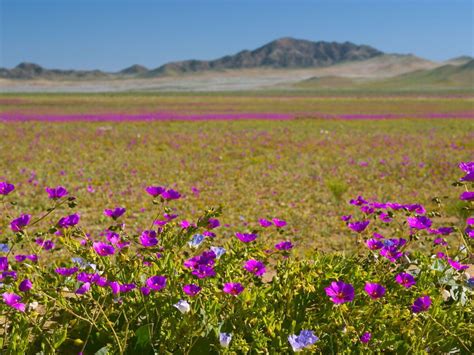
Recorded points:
66,271
440,241
156,283
405,279
191,289
285,245
457,265
374,290
25,285
391,253
155,190
417,208
467,196
365,338
421,304
171,195
6,188
279,223
56,193
255,267
340,292
467,167
103,249
246,237
68,221
265,223
148,238
116,213
419,222
18,224
13,301
346,218
83,288
358,226
374,244
232,288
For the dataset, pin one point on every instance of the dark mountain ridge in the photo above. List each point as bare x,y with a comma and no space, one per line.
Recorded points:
282,53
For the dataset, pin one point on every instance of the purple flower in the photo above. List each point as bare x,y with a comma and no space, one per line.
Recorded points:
171,195
156,283
405,279
103,249
6,188
191,289
303,340
421,304
225,339
203,271
385,217
467,196
417,208
340,292
255,267
3,263
391,253
25,285
374,244
246,237
232,288
469,177
116,213
279,223
68,221
213,223
359,201
155,190
56,193
358,226
45,244
365,338
202,264
440,241
457,265
11,274
445,230
419,222
265,223
18,224
285,245
374,290
66,271
467,167
83,288
145,290
13,301
346,218
148,238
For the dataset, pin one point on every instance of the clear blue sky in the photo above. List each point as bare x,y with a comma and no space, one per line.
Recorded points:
113,34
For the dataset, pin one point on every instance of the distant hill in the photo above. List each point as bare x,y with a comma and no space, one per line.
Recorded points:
459,60
282,53
134,70
446,76
25,71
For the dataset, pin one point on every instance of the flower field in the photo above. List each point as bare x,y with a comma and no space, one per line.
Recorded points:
236,224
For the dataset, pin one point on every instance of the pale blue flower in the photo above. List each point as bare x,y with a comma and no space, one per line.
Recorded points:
304,339
219,251
225,338
4,248
183,306
196,241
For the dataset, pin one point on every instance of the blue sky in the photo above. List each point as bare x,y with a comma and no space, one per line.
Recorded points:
113,34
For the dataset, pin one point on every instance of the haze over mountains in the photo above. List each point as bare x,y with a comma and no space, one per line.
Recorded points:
285,61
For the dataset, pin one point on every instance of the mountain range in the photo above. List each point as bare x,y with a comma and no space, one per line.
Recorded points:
284,63
283,53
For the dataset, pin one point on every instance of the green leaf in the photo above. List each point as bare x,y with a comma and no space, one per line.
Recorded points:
143,335
102,351
59,337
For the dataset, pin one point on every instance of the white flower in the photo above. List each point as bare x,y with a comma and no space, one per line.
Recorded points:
183,306
33,305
